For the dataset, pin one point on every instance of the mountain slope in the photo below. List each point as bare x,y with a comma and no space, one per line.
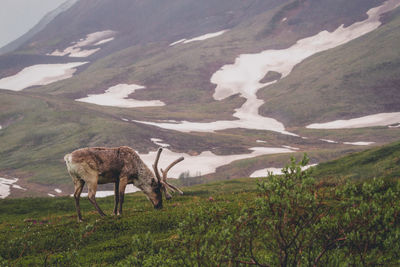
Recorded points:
38,130
138,22
129,43
378,162
356,79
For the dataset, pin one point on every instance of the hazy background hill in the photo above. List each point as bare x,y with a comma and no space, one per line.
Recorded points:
42,123
18,17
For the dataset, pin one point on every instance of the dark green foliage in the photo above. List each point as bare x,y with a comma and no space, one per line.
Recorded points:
370,222
293,221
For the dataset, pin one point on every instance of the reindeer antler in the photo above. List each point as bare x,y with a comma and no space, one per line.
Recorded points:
163,180
172,187
155,168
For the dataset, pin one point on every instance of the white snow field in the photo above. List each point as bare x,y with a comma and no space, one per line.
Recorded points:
129,189
158,141
204,163
116,96
92,39
275,171
41,74
329,141
380,119
390,126
243,77
360,143
290,147
199,38
6,184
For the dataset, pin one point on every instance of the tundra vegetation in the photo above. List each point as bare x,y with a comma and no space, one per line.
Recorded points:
287,220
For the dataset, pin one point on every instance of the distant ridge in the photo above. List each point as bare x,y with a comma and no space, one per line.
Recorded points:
37,28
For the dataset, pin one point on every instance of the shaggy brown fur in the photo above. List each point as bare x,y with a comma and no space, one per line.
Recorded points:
118,165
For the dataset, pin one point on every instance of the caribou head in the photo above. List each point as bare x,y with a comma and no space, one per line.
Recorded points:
163,185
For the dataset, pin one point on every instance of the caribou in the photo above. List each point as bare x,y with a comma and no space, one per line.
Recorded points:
121,166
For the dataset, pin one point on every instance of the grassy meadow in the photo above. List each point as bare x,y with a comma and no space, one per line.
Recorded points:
292,219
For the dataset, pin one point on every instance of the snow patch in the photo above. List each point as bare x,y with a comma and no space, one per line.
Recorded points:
264,172
177,42
92,39
206,162
18,187
6,184
380,119
290,147
243,77
328,141
116,96
158,141
199,38
41,74
100,194
75,52
58,190
249,123
359,143
51,195
261,141
104,41
275,171
390,126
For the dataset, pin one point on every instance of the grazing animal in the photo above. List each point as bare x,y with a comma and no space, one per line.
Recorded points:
121,166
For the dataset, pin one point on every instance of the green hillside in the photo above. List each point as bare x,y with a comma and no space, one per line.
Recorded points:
38,130
279,221
377,162
41,129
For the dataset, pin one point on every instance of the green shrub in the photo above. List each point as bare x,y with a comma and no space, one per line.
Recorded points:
294,221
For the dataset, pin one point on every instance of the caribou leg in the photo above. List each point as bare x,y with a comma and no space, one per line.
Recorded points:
78,184
122,185
92,188
116,196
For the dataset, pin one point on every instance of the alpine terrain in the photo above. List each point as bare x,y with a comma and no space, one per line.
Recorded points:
236,87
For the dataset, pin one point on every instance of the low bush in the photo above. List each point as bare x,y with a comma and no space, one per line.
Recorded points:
293,221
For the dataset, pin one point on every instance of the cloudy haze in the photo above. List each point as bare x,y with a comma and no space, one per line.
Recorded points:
18,16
